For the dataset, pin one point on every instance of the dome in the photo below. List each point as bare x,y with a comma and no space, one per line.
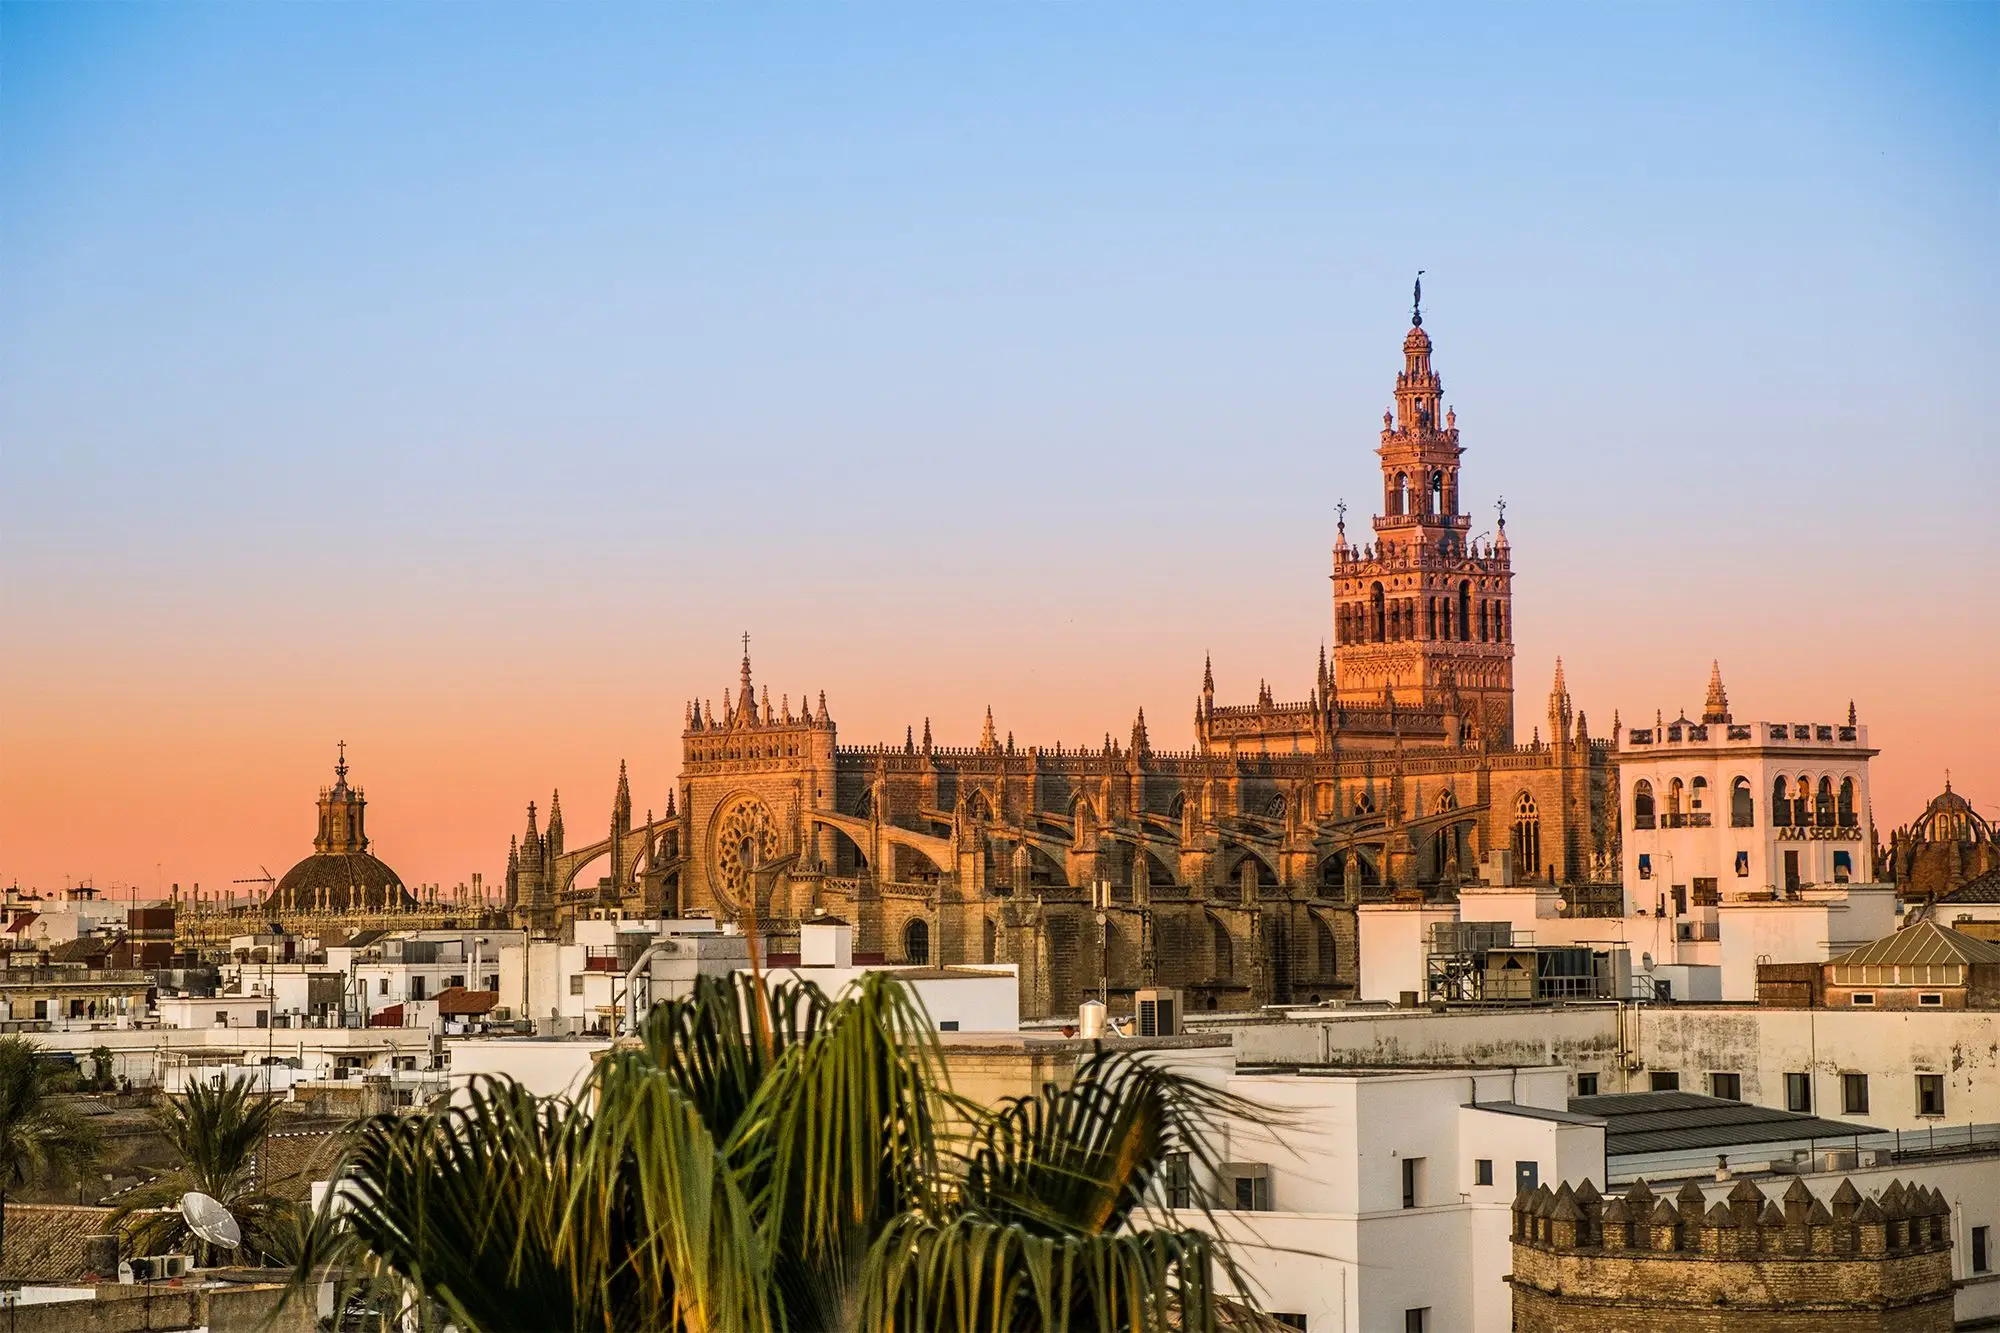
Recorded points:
338,882
1950,818
340,875
1417,340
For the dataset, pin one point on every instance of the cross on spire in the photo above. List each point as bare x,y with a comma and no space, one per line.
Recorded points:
340,765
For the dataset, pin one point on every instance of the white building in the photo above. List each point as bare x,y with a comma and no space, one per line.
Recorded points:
1378,1199
413,967
1776,807
1913,1071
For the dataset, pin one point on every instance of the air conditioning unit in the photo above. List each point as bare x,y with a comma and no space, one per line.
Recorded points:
152,1268
1159,1013
1246,1186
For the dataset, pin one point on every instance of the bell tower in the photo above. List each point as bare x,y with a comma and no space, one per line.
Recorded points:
1423,615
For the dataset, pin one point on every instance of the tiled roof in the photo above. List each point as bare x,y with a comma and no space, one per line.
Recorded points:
1983,889
457,1000
1924,943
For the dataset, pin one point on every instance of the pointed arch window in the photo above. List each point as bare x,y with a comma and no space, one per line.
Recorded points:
1697,794
917,942
1224,950
1781,804
1823,804
1642,804
1378,614
1802,802
1849,818
1527,836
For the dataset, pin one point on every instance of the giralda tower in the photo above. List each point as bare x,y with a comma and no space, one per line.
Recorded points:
1423,616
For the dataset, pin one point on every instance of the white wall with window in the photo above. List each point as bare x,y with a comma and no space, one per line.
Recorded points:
1354,1172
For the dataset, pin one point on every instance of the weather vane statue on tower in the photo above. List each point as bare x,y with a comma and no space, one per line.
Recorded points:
1417,302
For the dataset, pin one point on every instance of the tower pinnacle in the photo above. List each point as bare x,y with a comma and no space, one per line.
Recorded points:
1715,712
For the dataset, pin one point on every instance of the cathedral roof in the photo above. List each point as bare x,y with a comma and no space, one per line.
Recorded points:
341,875
1950,818
339,882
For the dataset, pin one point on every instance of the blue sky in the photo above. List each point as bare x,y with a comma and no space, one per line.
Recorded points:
458,372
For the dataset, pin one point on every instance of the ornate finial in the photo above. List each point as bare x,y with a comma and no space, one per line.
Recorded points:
746,643
1340,508
340,764
1501,505
1417,302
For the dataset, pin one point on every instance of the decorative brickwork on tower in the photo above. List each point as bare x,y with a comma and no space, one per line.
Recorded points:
1638,1263
1423,615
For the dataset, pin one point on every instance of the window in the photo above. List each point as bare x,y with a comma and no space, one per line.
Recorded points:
416,988
1864,998
947,1025
1482,1171
382,985
1417,1321
1930,999
221,1018
1413,1181
1729,1087
1667,1080
1251,1189
1706,892
1742,805
1179,1181
1798,1092
1698,794
917,942
1297,1321
1854,1094
1843,868
1586,1085
1642,804
1982,1249
1742,865
1645,866
1930,1094
263,1018
1527,836
576,984
1527,1175
1781,804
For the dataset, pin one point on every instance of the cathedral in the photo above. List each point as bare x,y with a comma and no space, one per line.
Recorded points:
1230,871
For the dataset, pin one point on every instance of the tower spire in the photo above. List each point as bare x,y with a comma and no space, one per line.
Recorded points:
1715,711
1417,302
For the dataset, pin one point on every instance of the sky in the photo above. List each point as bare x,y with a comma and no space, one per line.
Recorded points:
461,382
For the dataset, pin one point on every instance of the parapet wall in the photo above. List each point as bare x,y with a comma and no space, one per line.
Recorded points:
1642,1262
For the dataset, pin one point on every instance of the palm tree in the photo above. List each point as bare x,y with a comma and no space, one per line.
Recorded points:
39,1133
792,1163
215,1131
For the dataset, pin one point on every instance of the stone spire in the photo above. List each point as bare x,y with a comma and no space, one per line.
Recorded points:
989,743
621,805
927,735
1560,712
555,838
1716,711
1141,746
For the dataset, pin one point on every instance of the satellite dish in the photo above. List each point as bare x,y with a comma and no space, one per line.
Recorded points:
210,1221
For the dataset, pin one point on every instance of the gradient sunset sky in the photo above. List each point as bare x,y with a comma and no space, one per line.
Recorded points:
462,381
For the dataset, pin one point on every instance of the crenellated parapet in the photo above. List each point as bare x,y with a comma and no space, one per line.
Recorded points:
1642,1261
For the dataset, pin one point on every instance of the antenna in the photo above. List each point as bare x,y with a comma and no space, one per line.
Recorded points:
210,1221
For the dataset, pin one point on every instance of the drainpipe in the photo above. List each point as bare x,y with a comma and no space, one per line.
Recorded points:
653,950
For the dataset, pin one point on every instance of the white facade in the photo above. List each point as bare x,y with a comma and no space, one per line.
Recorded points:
1625,1048
1710,807
414,966
1388,1191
